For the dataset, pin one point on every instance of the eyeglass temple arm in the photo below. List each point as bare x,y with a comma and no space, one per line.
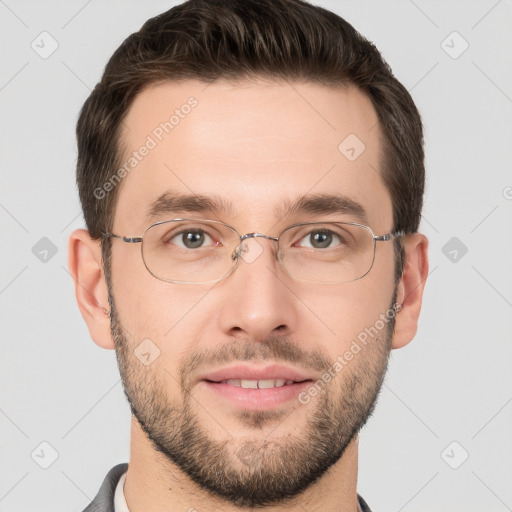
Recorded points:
127,239
389,236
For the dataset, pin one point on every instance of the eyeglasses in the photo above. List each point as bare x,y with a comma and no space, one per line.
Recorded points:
198,251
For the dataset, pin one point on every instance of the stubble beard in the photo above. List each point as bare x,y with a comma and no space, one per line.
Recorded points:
263,469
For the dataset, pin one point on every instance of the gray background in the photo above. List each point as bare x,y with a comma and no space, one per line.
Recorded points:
451,384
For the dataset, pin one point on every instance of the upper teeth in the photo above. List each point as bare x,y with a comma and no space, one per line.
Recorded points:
255,384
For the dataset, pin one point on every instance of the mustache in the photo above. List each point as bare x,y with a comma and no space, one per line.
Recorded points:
275,349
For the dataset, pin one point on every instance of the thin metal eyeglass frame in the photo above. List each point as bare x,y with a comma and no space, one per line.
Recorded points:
236,253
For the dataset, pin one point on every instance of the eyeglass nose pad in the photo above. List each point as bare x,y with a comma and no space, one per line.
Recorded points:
249,249
237,252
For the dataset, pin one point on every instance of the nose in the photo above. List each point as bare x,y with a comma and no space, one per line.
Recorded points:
257,300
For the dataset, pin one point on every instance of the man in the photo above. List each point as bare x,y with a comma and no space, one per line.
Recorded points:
251,175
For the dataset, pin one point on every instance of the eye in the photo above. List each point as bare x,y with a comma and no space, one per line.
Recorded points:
192,239
320,239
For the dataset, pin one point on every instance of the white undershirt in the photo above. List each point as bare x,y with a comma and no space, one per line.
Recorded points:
119,499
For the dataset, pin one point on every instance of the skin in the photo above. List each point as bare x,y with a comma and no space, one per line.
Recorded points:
255,144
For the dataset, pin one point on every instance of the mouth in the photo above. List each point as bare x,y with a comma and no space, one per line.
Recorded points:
258,384
255,388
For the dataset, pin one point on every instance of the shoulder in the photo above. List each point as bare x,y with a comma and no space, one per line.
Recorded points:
104,500
363,506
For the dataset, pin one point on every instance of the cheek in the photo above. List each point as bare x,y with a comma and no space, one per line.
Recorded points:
162,325
150,308
342,313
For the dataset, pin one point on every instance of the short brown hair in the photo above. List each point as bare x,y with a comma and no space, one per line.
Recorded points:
235,39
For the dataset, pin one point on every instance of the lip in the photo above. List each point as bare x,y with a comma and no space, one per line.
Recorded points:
214,383
272,372
254,399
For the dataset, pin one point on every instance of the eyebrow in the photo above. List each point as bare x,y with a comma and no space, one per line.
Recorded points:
174,202
324,204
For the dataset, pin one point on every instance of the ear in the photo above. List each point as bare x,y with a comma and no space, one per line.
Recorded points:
410,288
86,268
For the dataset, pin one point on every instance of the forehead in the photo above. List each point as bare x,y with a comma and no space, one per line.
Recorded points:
253,145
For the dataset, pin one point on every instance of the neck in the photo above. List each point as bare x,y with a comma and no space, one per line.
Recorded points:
155,483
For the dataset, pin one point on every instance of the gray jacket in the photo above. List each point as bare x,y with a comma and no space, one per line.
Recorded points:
104,501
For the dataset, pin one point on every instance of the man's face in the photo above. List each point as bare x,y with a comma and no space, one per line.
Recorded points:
257,146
